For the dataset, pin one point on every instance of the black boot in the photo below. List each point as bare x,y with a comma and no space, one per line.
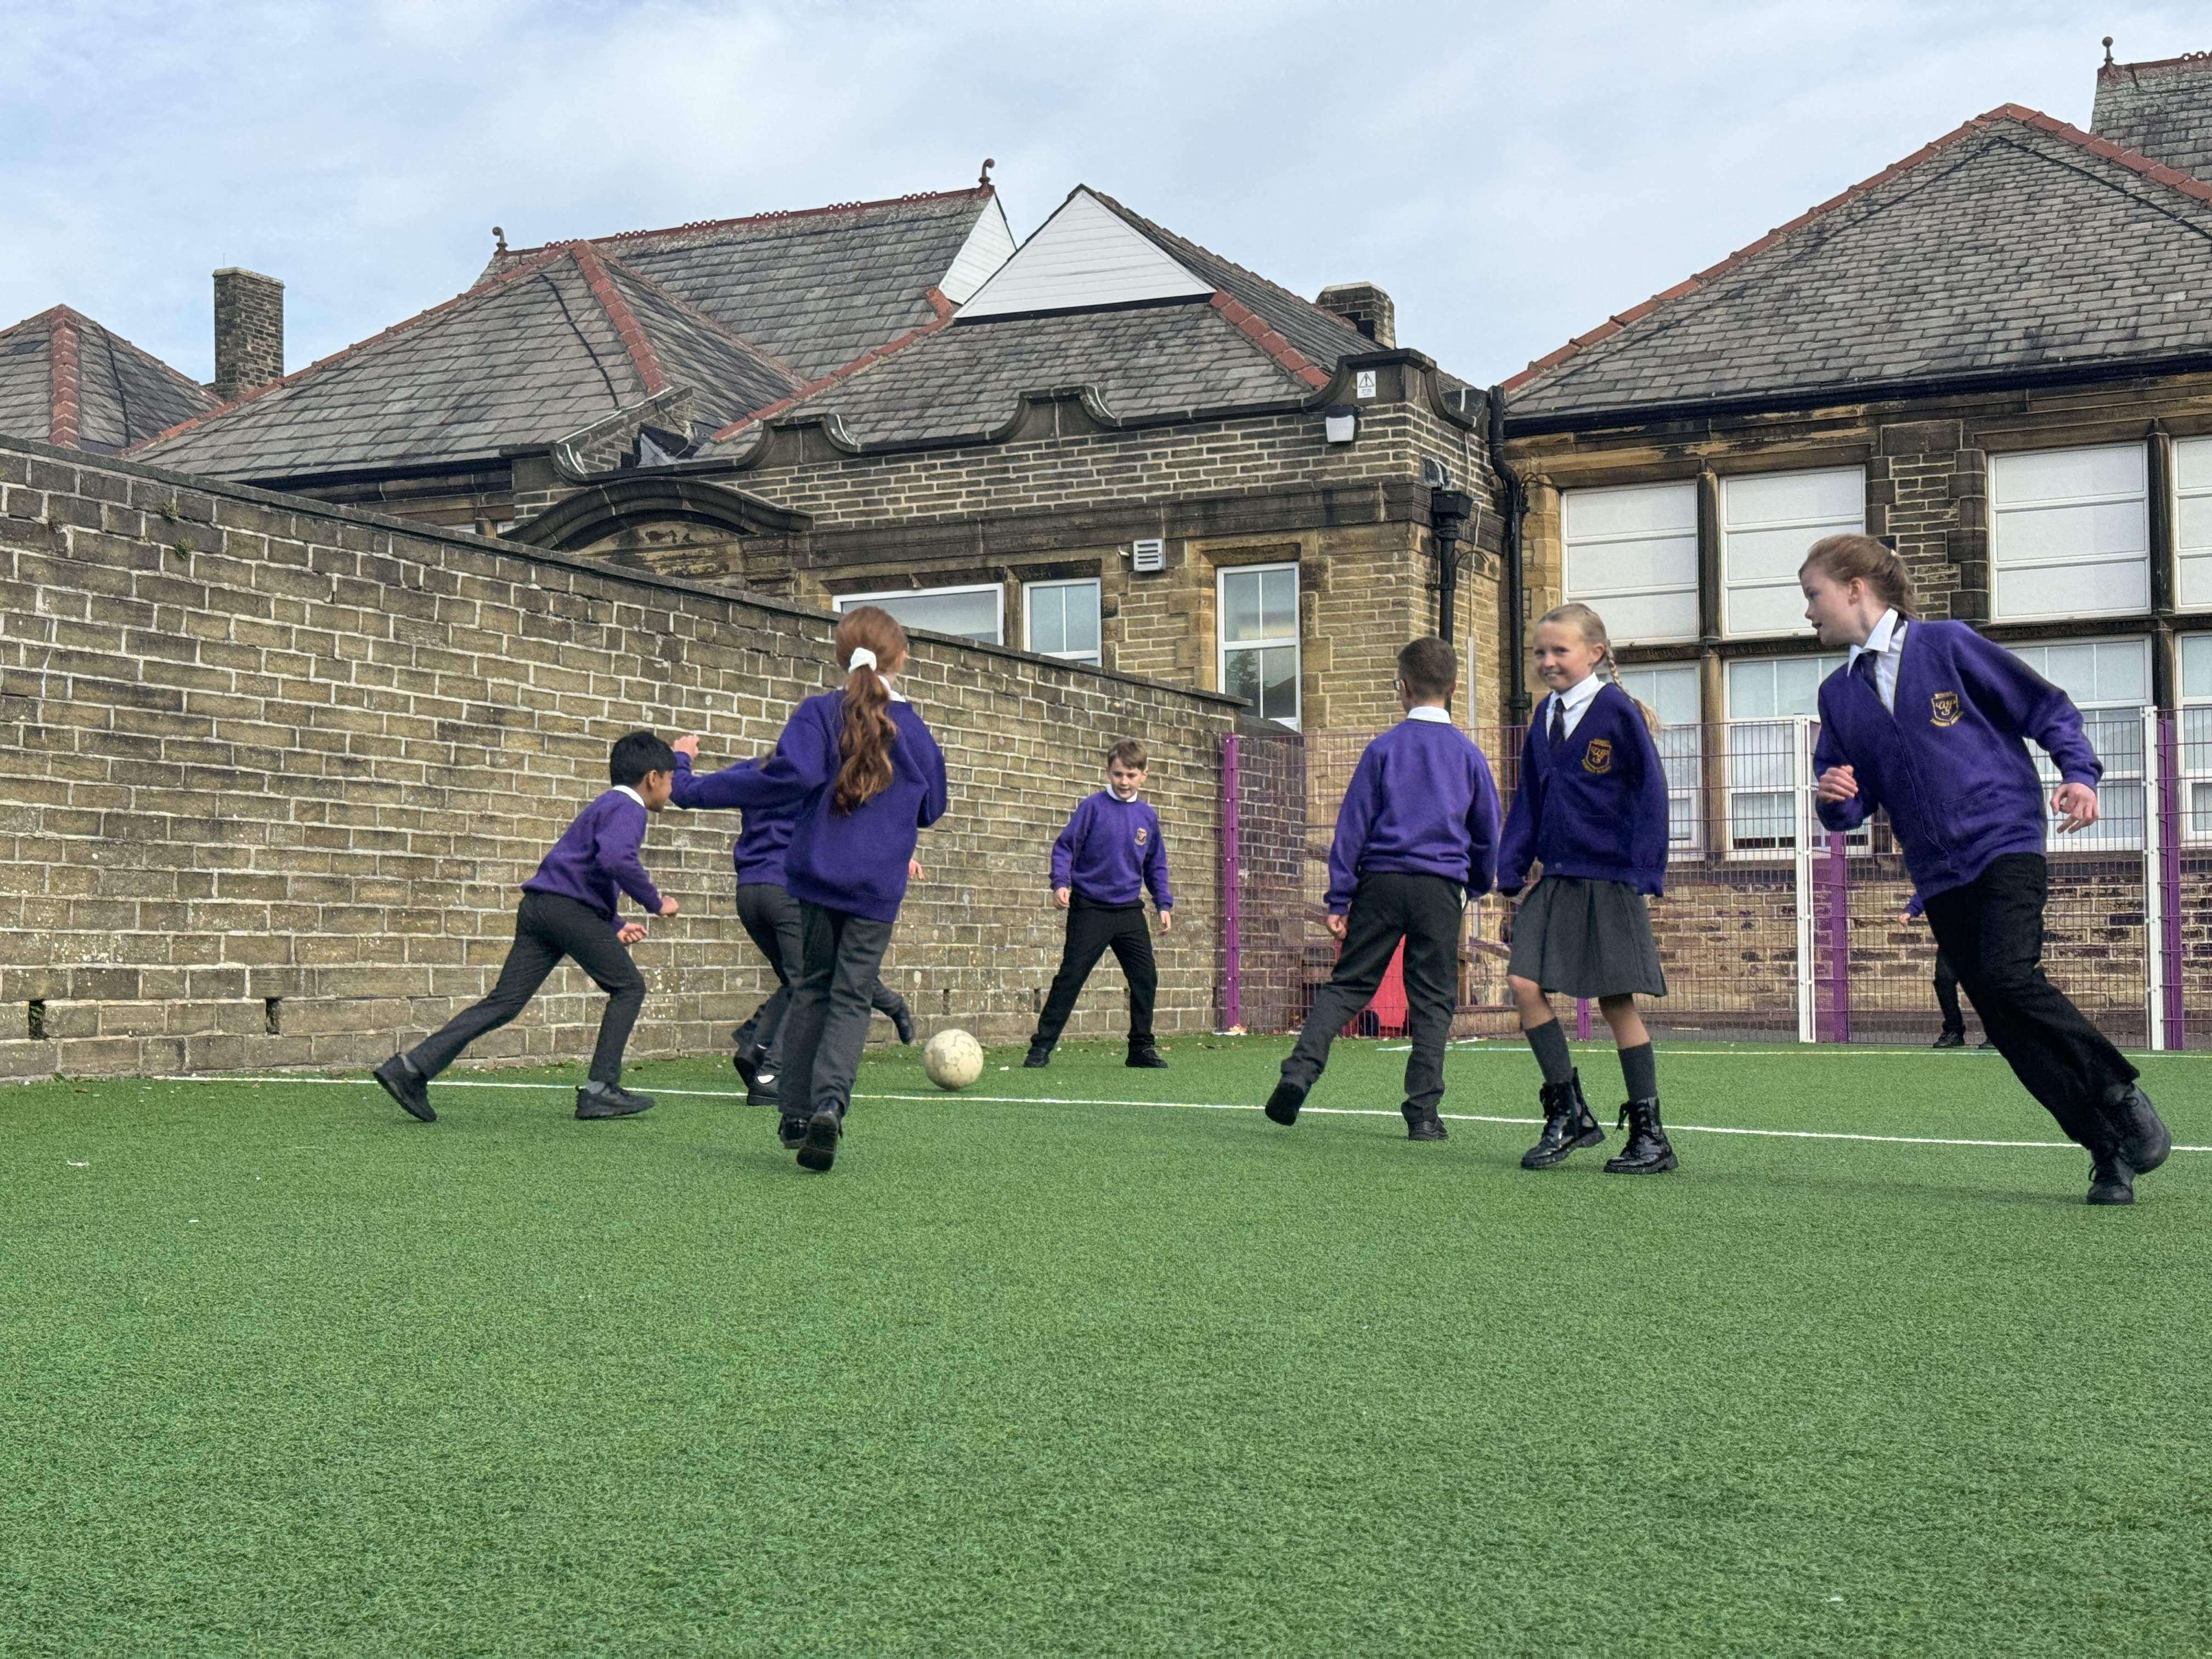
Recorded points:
2136,1141
1039,1056
1648,1152
1420,1125
902,1018
1568,1123
1283,1105
1143,1056
817,1147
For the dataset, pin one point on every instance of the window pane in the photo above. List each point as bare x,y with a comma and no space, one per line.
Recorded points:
969,615
1240,605
1631,555
1672,692
1064,619
1278,606
2071,532
2196,666
1767,522
2193,490
1778,688
1279,677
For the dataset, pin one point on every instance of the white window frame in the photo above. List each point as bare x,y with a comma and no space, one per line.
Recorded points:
1681,746
845,602
1031,590
1813,530
2192,513
2113,832
2193,744
2001,512
1773,739
1599,596
1223,646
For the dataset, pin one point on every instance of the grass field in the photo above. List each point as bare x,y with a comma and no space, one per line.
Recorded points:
286,1372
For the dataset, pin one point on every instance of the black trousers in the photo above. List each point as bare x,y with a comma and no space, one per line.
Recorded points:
770,918
1991,930
1092,930
547,927
1424,911
827,1024
1947,994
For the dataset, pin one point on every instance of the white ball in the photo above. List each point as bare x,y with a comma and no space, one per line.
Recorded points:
953,1059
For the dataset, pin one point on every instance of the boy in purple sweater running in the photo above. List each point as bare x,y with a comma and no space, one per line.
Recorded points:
1103,862
568,910
1416,838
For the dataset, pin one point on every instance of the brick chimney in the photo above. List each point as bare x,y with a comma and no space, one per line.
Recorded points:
1365,306
249,331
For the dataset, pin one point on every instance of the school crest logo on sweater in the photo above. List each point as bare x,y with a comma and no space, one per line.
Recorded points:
1944,709
1143,834
1598,757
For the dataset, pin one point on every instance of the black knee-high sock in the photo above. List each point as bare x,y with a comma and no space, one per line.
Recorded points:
1550,1043
1640,1072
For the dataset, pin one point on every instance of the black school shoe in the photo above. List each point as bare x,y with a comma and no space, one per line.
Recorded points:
1283,1105
1039,1057
1569,1123
747,1069
764,1088
407,1086
817,1147
791,1132
1143,1056
2138,1143
903,1022
609,1100
1648,1152
1422,1126
1950,1040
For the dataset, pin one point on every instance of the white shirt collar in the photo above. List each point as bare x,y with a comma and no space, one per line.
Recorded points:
624,789
1879,641
1441,716
1579,693
897,697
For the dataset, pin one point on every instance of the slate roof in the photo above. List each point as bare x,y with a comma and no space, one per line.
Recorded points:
551,344
816,287
2016,243
65,379
2161,110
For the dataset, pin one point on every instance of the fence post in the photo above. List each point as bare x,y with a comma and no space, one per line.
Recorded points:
1802,863
1232,943
1839,940
2167,945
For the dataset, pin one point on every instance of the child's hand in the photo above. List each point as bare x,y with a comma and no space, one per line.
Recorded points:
1167,921
631,933
1336,927
2079,802
1063,897
687,747
667,906
1905,918
914,870
1838,783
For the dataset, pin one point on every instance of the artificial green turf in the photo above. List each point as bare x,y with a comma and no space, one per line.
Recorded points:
288,1372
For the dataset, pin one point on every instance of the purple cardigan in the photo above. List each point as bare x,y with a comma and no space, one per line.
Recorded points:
1950,764
1597,809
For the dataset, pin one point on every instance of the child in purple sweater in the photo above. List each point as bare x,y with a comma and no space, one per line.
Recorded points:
1416,838
568,910
1927,720
1102,863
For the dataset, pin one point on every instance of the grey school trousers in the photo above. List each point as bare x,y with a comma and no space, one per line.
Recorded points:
770,918
827,1025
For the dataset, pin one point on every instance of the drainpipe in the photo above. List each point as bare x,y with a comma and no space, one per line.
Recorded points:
1449,512
1516,503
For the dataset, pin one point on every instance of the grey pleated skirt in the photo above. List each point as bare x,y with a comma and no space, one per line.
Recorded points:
1582,937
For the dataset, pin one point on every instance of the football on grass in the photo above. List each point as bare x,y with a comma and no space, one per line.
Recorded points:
953,1059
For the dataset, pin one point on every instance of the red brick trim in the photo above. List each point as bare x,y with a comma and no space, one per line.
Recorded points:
2156,172
1250,322
65,426
2204,59
979,192
626,325
938,303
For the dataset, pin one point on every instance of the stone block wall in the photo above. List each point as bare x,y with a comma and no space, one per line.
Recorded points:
274,770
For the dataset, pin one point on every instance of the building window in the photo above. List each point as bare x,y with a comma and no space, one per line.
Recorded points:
966,613
2195,736
1631,556
2110,683
1258,605
2192,524
1063,619
1764,696
1768,520
2069,534
1672,694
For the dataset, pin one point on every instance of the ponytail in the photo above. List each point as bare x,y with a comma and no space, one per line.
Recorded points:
870,645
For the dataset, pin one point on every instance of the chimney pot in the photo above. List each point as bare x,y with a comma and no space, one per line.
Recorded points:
1365,306
249,331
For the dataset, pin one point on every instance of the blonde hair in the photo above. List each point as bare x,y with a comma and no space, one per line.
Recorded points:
1848,558
1591,626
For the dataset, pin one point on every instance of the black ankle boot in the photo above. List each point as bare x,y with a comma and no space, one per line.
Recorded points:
1648,1152
1568,1123
1039,1056
1143,1056
1422,1125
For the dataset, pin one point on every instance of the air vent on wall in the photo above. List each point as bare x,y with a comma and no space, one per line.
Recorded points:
1150,554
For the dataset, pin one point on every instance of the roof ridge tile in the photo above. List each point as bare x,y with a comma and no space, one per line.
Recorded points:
775,216
1250,323
693,313
627,328
938,303
65,379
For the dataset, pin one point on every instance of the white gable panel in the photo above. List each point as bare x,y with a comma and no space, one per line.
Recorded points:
989,245
1083,258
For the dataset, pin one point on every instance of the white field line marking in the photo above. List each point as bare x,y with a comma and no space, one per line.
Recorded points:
1515,1046
1211,1106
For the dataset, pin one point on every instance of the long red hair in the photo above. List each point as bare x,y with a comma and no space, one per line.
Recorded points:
869,733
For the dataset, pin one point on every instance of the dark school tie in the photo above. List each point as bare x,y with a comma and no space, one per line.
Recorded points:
1558,720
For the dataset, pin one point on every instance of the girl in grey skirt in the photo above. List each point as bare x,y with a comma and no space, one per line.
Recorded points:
1590,809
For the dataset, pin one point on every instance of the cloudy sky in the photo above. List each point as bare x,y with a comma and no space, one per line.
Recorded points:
1512,175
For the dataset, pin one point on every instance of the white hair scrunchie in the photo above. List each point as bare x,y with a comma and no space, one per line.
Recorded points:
861,657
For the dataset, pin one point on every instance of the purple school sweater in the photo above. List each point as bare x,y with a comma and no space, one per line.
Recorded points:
851,861
1421,802
597,854
1110,852
764,835
1950,764
1597,807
